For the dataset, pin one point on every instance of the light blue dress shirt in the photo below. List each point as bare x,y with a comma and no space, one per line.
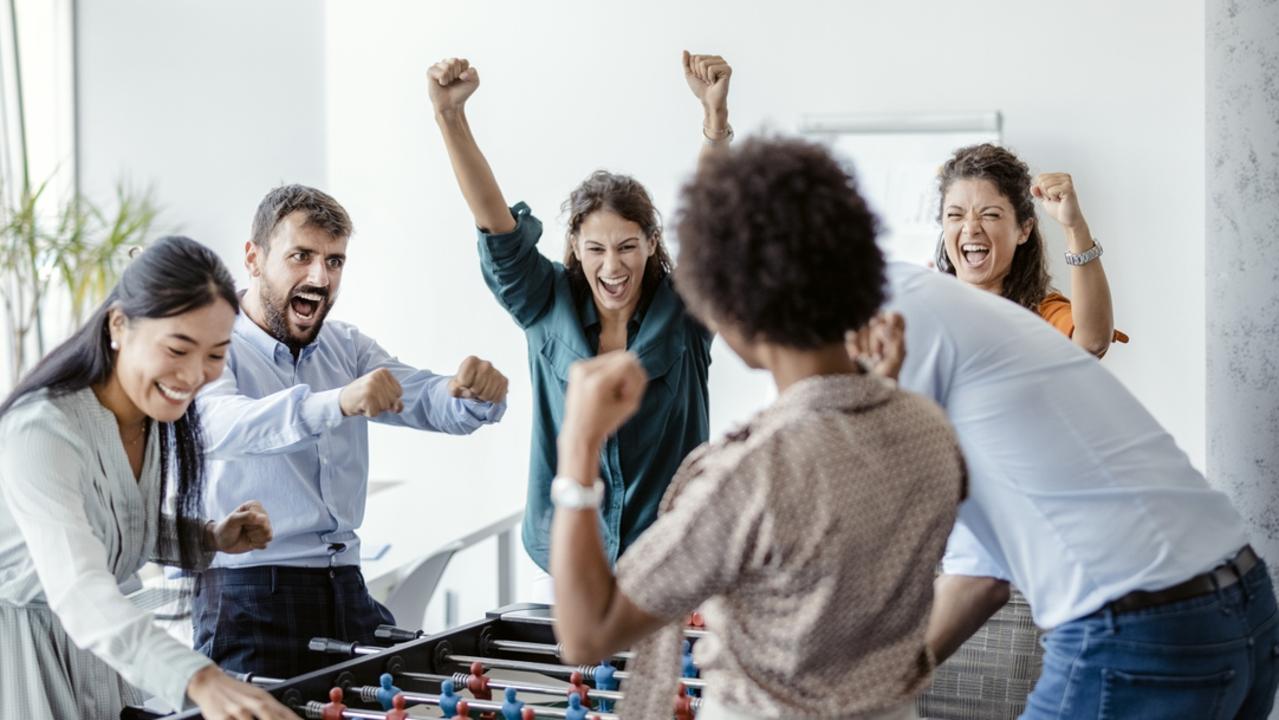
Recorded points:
274,432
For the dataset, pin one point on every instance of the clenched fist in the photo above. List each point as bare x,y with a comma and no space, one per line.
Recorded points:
602,393
247,528
477,379
450,82
707,76
372,395
1057,191
881,344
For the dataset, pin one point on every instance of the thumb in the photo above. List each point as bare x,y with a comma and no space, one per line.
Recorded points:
687,67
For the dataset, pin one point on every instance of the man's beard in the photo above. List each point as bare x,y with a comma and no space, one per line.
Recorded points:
277,321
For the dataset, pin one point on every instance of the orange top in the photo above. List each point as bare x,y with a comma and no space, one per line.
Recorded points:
1055,308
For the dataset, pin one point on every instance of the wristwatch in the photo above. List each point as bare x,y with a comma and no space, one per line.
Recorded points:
570,494
1086,256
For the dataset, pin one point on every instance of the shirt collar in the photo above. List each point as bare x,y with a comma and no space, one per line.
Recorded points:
265,343
591,316
844,392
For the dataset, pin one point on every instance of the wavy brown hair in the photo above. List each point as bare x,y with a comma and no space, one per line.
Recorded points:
1028,281
624,195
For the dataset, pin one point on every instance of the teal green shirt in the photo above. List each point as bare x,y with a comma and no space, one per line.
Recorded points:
562,326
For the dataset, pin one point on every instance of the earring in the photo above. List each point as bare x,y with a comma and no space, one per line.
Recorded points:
115,345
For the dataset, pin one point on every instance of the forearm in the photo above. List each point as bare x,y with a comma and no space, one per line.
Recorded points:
474,176
584,584
237,427
714,127
961,605
1090,302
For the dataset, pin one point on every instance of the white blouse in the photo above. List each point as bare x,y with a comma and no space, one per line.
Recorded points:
74,523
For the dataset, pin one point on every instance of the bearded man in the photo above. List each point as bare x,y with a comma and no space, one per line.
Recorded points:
287,423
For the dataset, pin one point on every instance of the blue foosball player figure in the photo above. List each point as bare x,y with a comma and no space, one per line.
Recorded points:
575,711
513,707
688,668
606,679
386,694
448,699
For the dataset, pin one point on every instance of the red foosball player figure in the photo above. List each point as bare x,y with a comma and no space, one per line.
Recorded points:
397,711
334,708
683,704
576,684
478,683
695,620
463,711
527,714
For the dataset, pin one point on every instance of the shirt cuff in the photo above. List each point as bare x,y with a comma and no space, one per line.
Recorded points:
173,675
322,411
497,247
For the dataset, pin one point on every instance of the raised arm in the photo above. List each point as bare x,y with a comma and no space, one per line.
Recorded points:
708,77
1090,304
450,82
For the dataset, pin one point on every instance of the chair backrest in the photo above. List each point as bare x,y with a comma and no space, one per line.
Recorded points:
991,675
407,601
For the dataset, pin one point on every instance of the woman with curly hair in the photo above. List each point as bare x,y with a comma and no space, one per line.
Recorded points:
808,537
991,240
612,291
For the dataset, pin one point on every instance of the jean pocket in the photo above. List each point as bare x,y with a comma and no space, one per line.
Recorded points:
1133,696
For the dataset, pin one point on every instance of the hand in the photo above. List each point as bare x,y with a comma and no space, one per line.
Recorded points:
221,698
247,528
602,393
477,379
450,82
707,76
1057,191
880,344
373,394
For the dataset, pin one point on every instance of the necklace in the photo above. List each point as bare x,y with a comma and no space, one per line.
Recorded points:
137,438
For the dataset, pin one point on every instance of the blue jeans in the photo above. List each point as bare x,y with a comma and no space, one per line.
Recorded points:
1212,656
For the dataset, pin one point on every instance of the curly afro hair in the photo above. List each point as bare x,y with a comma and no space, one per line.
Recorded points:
775,240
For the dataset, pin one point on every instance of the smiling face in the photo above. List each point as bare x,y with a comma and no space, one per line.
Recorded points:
980,232
163,362
296,277
613,252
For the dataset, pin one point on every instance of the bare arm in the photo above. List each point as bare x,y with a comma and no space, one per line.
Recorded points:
593,618
1090,303
961,605
451,82
708,77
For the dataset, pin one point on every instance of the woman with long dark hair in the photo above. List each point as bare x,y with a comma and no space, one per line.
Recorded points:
94,444
991,240
612,291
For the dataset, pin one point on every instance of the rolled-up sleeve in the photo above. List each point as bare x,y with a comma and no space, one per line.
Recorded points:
520,277
965,555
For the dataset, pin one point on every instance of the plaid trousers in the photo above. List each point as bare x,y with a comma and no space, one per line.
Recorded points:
260,619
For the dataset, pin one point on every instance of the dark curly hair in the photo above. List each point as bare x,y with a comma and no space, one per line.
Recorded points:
1028,281
624,195
776,241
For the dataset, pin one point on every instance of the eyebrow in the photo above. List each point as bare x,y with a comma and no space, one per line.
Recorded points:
188,338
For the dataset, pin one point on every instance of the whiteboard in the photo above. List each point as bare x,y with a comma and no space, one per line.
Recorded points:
896,160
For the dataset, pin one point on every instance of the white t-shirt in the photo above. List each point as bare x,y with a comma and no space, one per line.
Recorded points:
1077,495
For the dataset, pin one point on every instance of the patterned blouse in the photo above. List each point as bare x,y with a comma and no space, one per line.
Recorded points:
809,539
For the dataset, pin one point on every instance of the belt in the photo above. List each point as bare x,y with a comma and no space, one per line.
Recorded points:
1220,577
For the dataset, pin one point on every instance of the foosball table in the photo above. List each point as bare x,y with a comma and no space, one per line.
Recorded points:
504,667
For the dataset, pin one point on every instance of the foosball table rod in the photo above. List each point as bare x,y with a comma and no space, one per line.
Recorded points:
316,710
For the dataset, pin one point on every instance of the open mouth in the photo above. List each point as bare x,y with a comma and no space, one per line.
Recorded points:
174,395
614,287
305,307
975,255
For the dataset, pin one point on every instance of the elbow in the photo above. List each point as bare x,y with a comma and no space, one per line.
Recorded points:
579,652
1095,346
995,593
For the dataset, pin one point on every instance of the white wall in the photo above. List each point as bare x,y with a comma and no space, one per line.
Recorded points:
210,103
217,102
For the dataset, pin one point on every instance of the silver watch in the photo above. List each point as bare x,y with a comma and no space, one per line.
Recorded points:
570,494
1086,256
